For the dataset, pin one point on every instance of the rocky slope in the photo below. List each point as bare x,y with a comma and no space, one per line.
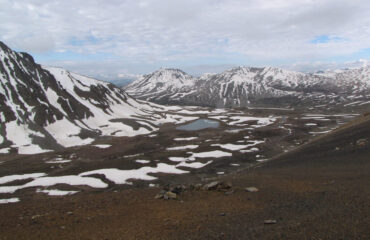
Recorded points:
248,86
48,108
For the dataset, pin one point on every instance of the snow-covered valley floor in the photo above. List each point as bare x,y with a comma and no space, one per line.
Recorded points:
168,155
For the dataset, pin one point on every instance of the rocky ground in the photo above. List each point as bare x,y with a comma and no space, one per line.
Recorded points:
319,190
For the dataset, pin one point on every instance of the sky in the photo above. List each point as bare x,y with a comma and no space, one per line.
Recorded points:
117,39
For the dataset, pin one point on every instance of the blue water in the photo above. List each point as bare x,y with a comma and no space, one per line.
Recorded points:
199,125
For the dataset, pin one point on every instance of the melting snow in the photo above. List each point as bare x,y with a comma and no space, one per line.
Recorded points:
193,164
102,145
56,192
182,147
185,139
232,147
58,160
4,150
9,200
177,159
122,176
12,178
50,181
261,121
142,161
249,150
215,154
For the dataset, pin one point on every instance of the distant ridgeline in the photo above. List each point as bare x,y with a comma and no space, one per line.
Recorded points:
249,86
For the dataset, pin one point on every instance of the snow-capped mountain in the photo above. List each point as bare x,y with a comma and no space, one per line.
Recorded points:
47,108
248,86
355,79
161,86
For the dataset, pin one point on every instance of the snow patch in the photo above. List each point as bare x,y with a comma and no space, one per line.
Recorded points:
12,178
182,147
102,145
193,164
56,192
50,181
232,147
210,154
185,139
9,200
142,161
122,176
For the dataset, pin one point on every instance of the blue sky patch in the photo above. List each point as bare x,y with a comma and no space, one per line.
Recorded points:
326,39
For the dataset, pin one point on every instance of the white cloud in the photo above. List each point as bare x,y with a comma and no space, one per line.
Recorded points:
145,34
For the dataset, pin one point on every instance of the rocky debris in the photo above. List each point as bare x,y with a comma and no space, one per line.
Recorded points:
166,195
270,221
196,187
211,185
251,189
361,142
173,192
178,189
169,195
217,185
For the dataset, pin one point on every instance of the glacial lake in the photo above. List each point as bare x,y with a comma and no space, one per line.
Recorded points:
199,125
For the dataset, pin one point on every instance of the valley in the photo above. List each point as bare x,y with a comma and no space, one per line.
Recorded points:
243,138
246,153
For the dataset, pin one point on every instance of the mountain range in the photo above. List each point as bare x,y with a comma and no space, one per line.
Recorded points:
251,86
48,108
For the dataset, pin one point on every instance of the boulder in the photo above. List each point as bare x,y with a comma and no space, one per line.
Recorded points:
217,185
211,185
170,195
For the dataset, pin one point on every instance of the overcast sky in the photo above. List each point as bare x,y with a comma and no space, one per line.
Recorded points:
113,38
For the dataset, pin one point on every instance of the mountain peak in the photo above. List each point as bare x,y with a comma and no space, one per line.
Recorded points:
48,108
242,85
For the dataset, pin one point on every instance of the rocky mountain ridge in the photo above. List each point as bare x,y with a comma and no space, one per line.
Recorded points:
251,86
47,108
